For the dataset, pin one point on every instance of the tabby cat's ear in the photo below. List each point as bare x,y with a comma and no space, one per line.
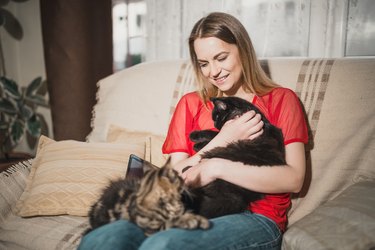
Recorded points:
220,104
168,164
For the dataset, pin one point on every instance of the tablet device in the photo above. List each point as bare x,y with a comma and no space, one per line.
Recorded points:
135,167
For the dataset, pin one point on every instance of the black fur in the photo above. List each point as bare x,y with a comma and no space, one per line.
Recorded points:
220,197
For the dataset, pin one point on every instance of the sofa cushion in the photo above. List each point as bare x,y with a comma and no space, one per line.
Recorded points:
153,142
137,98
42,232
12,185
59,232
68,176
346,222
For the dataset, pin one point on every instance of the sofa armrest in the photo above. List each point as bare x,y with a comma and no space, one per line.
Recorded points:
346,222
12,185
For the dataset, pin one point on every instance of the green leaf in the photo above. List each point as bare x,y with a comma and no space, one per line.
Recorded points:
43,90
43,124
10,87
4,125
11,24
38,100
33,86
33,126
17,130
7,107
26,112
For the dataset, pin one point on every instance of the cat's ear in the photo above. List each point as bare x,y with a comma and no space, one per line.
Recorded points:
220,104
167,164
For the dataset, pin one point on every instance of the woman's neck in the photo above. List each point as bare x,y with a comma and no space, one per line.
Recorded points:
241,93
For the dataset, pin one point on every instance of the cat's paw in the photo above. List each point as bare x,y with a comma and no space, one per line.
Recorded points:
198,136
192,221
199,146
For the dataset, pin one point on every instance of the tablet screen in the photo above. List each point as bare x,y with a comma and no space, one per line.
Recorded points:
135,167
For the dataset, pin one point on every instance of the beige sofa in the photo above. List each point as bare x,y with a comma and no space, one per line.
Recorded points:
335,209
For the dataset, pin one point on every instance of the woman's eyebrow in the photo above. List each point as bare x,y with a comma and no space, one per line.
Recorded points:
215,57
221,53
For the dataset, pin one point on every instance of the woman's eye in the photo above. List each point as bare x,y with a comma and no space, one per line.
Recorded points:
202,65
220,59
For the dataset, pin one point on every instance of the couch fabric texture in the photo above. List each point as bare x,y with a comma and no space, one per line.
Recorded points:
336,205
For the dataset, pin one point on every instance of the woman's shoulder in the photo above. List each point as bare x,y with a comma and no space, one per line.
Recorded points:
282,93
191,96
190,100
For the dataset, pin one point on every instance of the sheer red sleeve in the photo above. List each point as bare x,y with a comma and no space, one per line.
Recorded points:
190,114
289,116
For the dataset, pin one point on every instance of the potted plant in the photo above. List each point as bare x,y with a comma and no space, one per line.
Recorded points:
19,117
19,114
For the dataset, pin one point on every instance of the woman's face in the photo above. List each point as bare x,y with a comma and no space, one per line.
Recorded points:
220,63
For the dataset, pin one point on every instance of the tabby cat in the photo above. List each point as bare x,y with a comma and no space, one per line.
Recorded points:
220,197
153,203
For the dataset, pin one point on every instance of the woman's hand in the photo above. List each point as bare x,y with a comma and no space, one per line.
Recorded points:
247,126
201,174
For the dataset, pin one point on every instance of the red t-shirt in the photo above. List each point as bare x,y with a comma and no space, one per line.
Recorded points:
282,108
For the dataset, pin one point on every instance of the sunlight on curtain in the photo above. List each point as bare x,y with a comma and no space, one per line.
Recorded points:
278,28
361,28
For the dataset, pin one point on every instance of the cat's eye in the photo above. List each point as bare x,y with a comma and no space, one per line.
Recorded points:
161,203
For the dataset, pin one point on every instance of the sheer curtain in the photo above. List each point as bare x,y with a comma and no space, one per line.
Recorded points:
308,28
277,28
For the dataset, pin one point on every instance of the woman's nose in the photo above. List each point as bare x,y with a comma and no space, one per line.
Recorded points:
215,70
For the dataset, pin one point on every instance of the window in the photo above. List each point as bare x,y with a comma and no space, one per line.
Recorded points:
360,28
129,33
278,28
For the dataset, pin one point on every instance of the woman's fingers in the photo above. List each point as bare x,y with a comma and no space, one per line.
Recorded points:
255,135
250,124
247,126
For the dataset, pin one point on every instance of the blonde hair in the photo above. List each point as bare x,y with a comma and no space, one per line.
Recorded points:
230,30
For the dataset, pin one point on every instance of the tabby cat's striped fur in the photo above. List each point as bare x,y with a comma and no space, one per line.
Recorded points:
153,203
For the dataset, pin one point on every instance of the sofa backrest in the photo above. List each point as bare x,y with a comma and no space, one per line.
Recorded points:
337,95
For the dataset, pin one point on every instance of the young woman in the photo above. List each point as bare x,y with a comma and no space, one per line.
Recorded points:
225,64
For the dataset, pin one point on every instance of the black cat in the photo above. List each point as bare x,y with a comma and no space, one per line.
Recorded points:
221,197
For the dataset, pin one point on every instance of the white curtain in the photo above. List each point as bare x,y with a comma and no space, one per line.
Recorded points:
311,28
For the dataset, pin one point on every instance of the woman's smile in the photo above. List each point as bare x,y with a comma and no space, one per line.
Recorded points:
220,80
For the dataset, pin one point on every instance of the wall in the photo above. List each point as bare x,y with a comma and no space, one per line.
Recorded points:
24,59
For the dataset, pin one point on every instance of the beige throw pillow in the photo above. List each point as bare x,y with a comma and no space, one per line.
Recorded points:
154,143
67,176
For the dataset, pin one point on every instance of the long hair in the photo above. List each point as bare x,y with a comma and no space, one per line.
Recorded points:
230,30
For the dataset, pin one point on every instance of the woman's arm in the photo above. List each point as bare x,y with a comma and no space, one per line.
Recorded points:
248,126
265,179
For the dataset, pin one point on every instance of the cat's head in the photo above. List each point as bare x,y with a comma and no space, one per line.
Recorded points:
227,108
161,190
